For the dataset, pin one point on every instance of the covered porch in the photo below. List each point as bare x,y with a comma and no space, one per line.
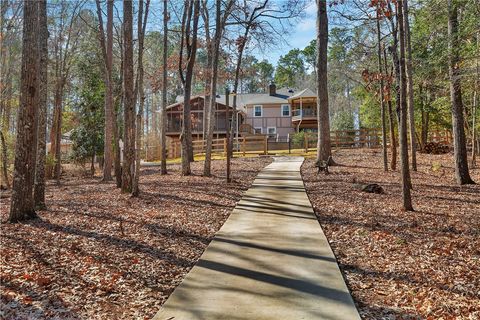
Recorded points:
304,110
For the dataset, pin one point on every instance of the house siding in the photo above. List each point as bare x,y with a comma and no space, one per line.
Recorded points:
271,117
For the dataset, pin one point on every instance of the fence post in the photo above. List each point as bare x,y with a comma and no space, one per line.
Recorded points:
224,147
337,144
243,146
265,145
305,143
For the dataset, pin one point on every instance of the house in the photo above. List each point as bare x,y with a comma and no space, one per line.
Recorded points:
197,106
275,113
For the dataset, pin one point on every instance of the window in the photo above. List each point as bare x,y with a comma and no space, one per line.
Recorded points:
272,132
285,110
257,111
258,130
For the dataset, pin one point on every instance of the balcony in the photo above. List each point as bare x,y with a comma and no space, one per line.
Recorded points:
304,114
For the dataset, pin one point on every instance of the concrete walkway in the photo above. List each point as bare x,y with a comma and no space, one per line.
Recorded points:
270,260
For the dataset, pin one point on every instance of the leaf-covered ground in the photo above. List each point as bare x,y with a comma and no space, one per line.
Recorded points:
402,265
100,254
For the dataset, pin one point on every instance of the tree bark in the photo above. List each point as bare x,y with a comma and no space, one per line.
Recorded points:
163,136
391,120
410,102
39,187
220,21
116,150
118,105
382,98
107,49
475,107
190,41
142,23
213,91
128,167
4,160
22,206
459,140
56,132
324,151
425,117
405,172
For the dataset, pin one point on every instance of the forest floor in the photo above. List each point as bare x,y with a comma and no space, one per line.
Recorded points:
99,254
402,265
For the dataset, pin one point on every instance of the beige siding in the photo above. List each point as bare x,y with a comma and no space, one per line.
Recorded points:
271,117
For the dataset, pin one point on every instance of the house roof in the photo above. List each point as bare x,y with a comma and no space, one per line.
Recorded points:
283,95
305,93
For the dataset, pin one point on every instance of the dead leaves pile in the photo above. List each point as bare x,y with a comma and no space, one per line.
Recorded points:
402,265
100,254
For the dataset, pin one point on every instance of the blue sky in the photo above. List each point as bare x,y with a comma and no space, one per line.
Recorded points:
300,37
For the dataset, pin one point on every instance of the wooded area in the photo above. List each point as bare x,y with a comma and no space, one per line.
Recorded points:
86,85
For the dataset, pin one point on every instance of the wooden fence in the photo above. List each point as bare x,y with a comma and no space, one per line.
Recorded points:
261,144
254,144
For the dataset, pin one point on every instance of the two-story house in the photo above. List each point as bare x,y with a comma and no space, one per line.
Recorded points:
275,113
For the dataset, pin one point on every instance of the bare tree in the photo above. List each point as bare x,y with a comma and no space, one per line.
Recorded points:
254,20
406,182
220,22
128,167
22,205
459,140
382,97
475,106
391,118
410,102
64,46
106,43
163,136
39,188
142,24
324,151
189,41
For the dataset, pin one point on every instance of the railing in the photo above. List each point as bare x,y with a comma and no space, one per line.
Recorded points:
251,144
260,144
196,127
298,114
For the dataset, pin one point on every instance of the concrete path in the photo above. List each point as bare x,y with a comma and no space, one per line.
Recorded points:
270,260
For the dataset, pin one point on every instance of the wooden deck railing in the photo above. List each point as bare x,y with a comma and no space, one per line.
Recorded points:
260,144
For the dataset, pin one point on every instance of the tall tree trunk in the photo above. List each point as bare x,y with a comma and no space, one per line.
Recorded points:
405,170
22,206
213,91
5,93
391,121
475,107
4,160
128,167
190,41
458,123
107,50
117,109
324,151
425,117
56,132
410,102
163,136
474,129
116,150
142,22
39,188
382,98
220,21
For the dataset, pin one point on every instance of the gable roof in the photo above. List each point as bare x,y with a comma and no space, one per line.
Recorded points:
305,93
282,96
